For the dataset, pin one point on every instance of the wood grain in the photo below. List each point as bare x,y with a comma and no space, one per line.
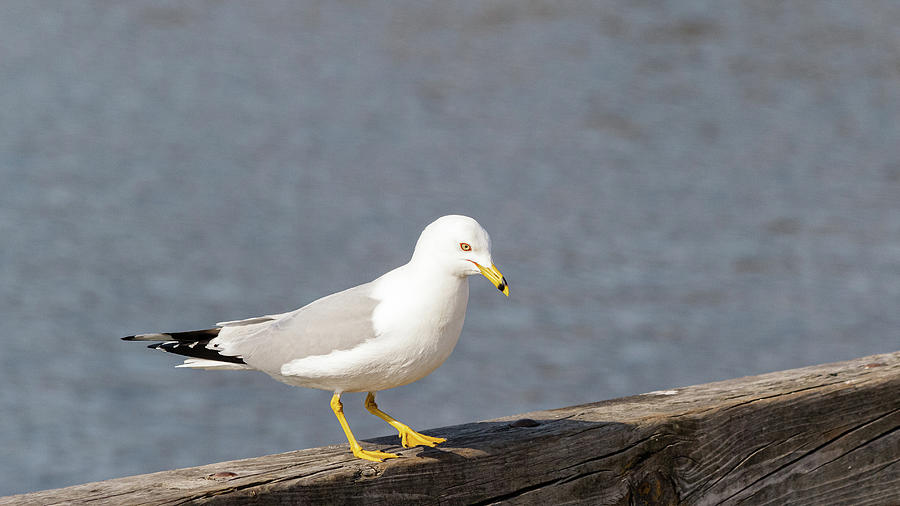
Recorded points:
821,435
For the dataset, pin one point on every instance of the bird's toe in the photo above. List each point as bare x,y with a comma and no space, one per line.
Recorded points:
412,438
373,455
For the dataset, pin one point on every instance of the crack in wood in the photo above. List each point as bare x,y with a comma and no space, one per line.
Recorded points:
255,484
781,394
608,455
579,476
889,464
727,473
515,493
866,442
793,461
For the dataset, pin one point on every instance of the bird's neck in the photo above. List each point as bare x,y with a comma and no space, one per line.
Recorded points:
433,277
424,290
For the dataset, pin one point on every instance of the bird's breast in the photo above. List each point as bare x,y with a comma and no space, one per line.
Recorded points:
421,328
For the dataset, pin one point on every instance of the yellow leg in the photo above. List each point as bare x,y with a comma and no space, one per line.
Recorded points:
377,456
408,437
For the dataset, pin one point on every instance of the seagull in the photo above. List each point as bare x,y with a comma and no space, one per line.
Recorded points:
388,332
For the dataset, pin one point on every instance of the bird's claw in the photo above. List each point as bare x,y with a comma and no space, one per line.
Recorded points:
410,438
373,455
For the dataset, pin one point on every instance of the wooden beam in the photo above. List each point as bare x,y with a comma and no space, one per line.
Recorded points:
827,434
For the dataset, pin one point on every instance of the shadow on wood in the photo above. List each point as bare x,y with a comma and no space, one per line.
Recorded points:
825,434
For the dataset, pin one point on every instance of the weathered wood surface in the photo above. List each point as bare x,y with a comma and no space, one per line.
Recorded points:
819,435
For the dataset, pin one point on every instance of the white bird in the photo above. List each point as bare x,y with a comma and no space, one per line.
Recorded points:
383,334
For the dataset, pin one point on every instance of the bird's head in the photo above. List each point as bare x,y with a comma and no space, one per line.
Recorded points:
462,246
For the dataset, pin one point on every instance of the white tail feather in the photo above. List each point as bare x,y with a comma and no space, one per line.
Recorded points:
200,363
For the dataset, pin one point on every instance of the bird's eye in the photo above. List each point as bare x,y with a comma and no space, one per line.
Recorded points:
465,246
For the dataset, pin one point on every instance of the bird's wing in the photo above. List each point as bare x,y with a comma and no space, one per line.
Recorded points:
248,321
339,321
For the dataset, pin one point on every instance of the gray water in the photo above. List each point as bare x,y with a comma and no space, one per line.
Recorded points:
678,192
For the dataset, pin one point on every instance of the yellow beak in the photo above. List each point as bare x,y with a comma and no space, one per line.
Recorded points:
495,276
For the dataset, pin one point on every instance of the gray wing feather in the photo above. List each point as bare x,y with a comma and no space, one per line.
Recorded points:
337,322
248,321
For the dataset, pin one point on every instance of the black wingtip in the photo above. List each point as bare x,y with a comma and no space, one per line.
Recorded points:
194,351
128,338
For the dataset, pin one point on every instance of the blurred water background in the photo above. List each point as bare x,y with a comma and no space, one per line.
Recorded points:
679,192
